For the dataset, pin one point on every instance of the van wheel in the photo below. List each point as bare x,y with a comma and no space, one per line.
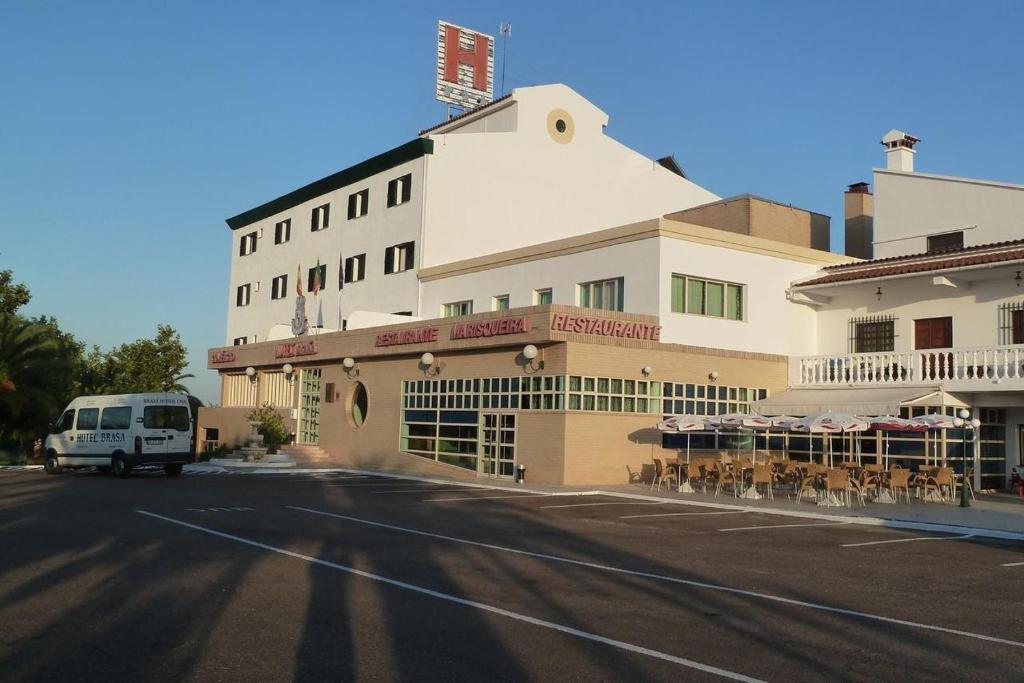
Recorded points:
172,470
121,467
52,465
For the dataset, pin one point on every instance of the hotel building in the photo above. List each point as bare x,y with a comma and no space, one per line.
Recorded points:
514,287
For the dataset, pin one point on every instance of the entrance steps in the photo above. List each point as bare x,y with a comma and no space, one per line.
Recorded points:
306,455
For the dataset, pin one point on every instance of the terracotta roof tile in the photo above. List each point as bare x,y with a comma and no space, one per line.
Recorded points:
999,252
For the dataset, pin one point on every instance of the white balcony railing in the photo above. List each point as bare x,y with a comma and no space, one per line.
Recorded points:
990,364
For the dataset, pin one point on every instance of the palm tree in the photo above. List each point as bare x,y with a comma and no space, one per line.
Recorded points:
25,349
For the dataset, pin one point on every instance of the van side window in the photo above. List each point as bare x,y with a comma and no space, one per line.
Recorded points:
67,420
88,418
116,418
166,417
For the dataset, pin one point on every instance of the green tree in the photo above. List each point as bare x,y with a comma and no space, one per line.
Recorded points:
12,296
143,365
27,351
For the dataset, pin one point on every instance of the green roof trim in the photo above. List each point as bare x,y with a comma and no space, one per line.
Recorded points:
353,174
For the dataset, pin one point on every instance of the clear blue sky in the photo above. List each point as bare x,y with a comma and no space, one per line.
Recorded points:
130,130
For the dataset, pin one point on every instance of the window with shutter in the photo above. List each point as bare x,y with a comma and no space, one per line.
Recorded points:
389,260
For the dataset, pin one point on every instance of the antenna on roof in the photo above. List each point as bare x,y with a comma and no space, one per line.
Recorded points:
506,33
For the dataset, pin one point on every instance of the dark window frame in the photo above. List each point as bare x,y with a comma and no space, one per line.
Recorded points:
947,241
247,245
274,291
283,231
390,261
396,197
351,268
320,218
323,277
247,290
359,204
872,334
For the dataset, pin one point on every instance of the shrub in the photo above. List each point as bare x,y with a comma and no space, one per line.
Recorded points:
271,426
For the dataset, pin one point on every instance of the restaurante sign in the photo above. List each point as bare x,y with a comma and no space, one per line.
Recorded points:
419,336
623,329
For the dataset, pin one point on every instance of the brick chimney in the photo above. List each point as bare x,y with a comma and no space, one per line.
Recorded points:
859,214
899,150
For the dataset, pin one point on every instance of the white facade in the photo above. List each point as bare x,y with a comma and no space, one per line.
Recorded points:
526,170
911,206
645,257
519,181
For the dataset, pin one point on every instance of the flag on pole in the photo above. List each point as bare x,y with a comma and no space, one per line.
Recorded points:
316,278
298,280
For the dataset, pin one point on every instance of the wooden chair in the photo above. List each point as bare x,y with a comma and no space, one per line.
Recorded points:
763,475
726,475
837,480
634,477
808,480
899,480
941,483
662,475
864,483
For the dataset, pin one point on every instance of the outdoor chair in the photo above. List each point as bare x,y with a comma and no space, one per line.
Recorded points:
899,480
726,475
958,481
941,483
663,475
763,475
864,483
708,472
837,481
634,477
808,481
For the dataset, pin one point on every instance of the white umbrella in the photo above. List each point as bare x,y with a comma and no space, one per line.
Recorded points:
829,422
891,423
934,421
684,423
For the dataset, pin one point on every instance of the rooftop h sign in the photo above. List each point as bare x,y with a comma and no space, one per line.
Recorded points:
465,66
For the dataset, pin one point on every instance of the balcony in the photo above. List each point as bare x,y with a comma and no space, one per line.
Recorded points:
956,369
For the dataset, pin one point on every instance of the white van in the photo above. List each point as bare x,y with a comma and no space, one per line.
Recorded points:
122,432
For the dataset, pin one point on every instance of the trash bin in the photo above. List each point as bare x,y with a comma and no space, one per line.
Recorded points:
520,474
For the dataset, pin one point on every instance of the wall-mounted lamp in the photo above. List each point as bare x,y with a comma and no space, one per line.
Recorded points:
431,365
713,375
530,353
1017,278
646,370
289,371
878,293
251,373
349,364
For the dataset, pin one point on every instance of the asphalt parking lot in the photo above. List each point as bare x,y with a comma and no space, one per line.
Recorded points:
342,577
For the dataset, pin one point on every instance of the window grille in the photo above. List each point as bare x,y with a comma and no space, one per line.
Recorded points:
872,333
1011,323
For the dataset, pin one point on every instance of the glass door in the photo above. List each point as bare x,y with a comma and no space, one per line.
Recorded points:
497,444
309,406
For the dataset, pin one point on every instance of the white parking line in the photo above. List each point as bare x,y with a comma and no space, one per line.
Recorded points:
1013,564
423,490
521,495
683,514
783,526
671,579
908,540
583,505
471,603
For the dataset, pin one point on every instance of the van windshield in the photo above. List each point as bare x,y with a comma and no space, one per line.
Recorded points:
166,417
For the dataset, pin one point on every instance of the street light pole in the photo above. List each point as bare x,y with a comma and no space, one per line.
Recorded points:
965,501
